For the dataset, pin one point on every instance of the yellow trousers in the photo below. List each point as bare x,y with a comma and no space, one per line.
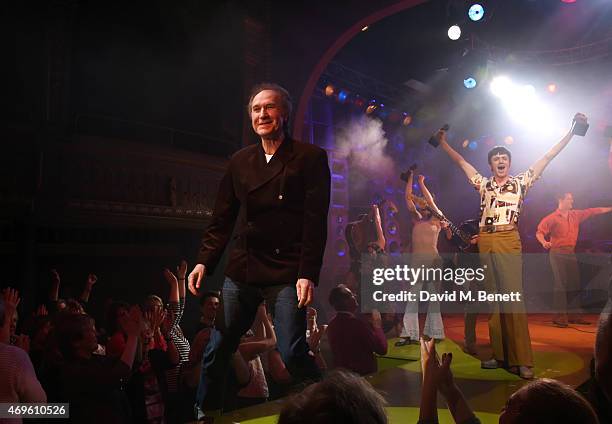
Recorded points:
500,254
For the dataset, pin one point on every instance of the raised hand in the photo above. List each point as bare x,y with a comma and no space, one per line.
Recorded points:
41,311
446,381
170,277
315,337
430,363
181,269
55,278
11,301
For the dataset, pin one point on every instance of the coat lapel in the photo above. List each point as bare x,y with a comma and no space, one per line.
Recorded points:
262,172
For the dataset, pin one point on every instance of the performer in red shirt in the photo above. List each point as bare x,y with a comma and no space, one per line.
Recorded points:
562,227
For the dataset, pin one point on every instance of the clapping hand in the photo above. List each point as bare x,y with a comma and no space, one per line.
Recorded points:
41,311
11,301
132,323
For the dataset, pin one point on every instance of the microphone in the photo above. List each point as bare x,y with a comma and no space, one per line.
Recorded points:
434,140
580,125
404,175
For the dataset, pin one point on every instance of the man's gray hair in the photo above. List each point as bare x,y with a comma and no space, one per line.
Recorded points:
282,92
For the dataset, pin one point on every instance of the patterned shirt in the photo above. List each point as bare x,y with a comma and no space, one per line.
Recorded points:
502,205
181,343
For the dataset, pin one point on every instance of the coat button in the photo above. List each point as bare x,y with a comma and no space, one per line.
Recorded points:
277,251
280,197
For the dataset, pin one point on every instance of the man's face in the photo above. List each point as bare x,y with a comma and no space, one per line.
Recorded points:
567,202
267,114
349,299
209,308
500,165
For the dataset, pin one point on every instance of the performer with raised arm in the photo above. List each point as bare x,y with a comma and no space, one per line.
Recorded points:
499,244
562,227
425,231
276,193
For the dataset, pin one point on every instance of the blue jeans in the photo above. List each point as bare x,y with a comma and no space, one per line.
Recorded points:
240,303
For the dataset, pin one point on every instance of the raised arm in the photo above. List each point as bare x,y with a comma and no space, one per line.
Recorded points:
92,279
55,286
181,272
173,284
11,300
380,236
428,197
465,166
408,197
543,162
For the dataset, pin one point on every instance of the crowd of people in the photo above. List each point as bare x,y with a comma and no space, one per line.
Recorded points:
138,366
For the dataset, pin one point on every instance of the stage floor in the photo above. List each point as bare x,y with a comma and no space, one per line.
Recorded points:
560,353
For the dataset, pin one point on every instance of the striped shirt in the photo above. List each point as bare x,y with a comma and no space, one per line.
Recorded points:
181,343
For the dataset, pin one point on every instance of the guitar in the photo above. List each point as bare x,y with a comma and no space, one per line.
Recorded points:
462,238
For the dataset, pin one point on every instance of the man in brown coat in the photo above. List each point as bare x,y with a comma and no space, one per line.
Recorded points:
276,194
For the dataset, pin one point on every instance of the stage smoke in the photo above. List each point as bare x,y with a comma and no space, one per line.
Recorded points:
362,141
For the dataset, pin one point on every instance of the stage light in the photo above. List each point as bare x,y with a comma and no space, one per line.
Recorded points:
342,96
469,82
365,28
407,120
329,90
473,145
509,140
476,12
552,88
568,1
454,32
371,108
522,104
465,143
341,247
501,86
359,102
